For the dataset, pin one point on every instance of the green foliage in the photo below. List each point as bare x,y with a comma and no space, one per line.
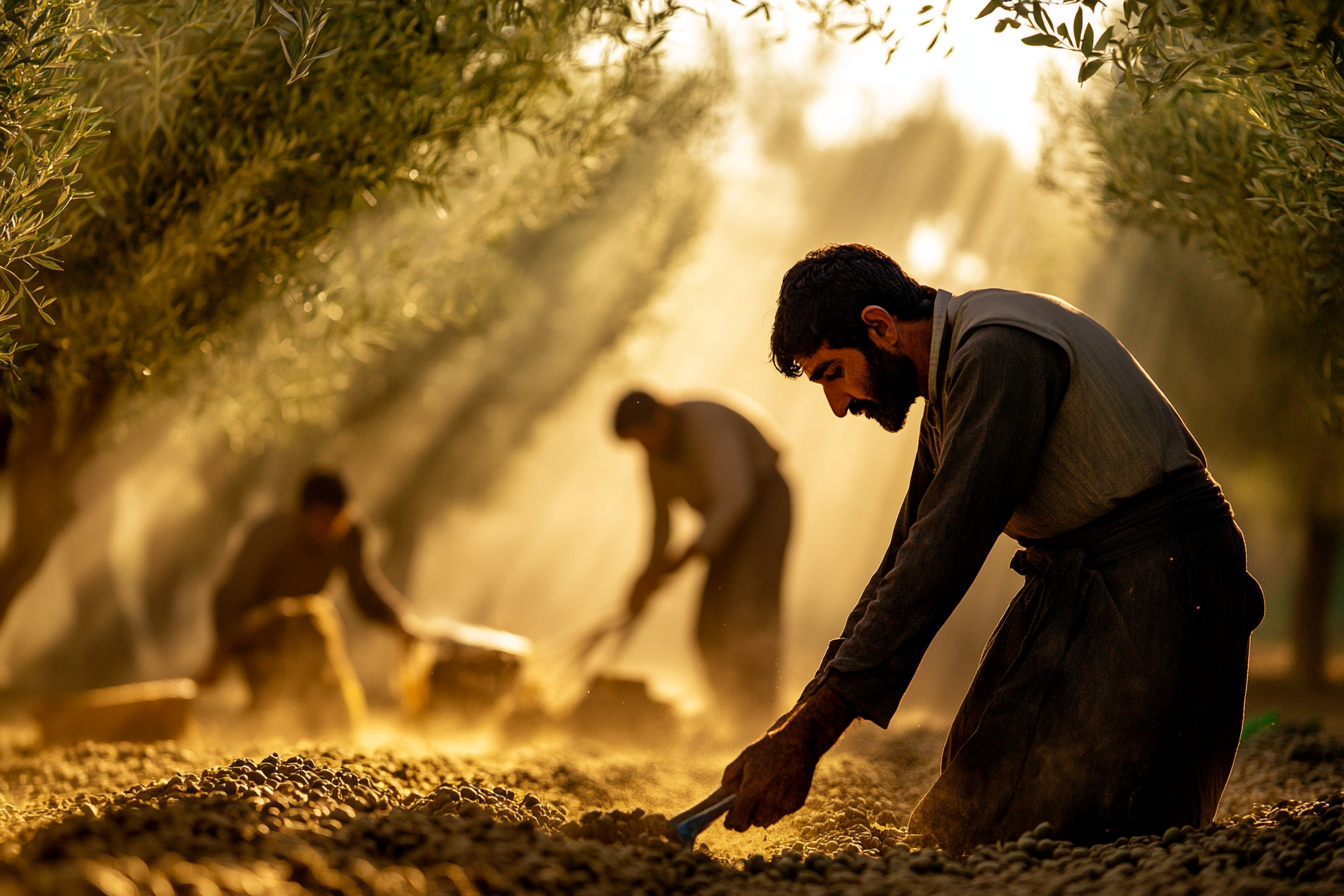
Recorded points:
299,41
224,161
1234,137
1196,164
370,305
1278,64
44,132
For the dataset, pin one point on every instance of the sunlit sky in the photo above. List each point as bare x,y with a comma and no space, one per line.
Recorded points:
553,551
852,90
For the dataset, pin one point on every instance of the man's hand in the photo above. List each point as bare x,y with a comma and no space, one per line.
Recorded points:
213,671
773,776
652,578
643,590
690,553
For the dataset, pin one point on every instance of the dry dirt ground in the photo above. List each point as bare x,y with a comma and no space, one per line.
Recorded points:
422,818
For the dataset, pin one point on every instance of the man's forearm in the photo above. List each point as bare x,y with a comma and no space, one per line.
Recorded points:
773,776
977,485
875,693
820,719
920,476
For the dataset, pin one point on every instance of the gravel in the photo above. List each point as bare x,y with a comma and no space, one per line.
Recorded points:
122,819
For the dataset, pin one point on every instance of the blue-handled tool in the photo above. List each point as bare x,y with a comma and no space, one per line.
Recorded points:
688,825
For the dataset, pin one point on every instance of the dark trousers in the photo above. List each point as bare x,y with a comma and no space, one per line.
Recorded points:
294,658
1109,701
739,622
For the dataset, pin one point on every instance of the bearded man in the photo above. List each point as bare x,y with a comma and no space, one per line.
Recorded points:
1109,700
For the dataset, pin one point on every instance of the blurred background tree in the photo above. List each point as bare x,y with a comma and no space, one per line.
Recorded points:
44,131
1243,149
223,169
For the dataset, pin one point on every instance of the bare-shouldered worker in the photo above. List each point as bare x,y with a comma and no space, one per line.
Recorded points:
715,460
271,619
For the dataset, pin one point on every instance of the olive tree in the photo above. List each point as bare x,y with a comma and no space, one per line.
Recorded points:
44,132
222,162
1240,145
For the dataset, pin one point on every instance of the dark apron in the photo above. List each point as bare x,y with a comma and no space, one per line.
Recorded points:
1109,700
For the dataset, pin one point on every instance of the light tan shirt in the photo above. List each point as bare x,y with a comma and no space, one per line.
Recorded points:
714,461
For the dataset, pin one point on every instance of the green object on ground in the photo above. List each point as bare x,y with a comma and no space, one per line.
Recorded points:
1259,723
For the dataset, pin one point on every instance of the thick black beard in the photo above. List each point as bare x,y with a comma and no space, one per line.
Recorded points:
894,385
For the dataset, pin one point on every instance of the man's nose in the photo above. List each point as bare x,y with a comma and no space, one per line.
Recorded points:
837,399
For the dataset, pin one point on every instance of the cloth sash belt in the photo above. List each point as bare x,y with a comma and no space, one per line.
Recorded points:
1185,500
1056,569
1053,622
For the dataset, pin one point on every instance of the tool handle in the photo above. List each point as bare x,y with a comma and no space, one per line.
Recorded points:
688,825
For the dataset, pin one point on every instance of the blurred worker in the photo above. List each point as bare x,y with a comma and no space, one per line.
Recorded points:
716,461
271,618
1109,700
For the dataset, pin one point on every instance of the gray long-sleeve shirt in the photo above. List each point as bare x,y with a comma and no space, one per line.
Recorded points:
714,461
1003,389
277,560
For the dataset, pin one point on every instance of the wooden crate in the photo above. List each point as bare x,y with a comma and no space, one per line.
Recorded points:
621,710
459,669
146,711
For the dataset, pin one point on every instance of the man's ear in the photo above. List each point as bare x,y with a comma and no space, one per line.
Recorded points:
881,327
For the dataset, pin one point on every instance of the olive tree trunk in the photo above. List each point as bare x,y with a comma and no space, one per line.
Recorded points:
1311,611
44,456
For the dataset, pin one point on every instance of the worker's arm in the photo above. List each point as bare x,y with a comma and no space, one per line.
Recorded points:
374,595
920,477
1003,389
662,521
240,590
659,565
723,454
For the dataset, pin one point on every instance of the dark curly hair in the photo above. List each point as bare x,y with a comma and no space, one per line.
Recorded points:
636,409
823,295
322,488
